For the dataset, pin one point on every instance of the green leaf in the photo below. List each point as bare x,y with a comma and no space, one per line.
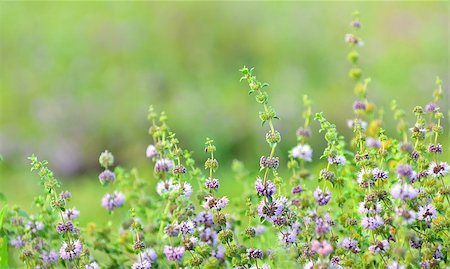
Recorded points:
2,216
4,253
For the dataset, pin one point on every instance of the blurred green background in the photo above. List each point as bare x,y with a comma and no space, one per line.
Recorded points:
78,77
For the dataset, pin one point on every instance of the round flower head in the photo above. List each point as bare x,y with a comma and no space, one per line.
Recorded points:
151,151
339,160
18,242
431,107
297,189
219,253
409,216
213,203
174,253
365,178
302,152
185,189
144,264
369,208
288,237
149,255
186,227
427,213
352,124
205,218
163,165
34,226
322,197
71,213
378,173
93,265
212,183
70,251
322,248
272,211
404,170
107,176
404,192
65,195
254,253
350,244
110,201
438,169
267,189
432,148
49,257
379,246
372,142
165,186
372,223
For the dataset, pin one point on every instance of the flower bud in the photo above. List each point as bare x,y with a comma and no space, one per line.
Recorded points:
106,159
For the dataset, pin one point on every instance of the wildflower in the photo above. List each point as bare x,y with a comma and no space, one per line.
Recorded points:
297,189
372,222
289,236
174,253
369,208
71,213
149,255
107,176
395,265
302,151
219,253
18,242
265,189
271,211
165,186
49,257
70,251
254,253
350,244
172,230
65,227
351,39
212,183
438,170
365,178
205,218
93,265
213,203
359,105
322,248
187,227
432,148
144,264
163,165
322,197
352,124
322,227
404,170
379,174
404,192
409,216
34,226
379,246
427,213
65,195
339,160
415,242
431,107
109,201
269,162
151,151
303,132
185,188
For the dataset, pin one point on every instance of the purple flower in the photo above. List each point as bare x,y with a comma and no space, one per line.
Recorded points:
359,105
185,189
212,183
259,230
404,192
322,248
322,197
372,142
163,165
395,265
297,189
267,189
107,176
151,151
110,201
254,253
34,226
438,170
149,255
365,178
302,151
49,257
219,253
70,251
65,227
379,246
18,242
339,160
92,265
270,211
304,132
165,186
186,227
404,170
369,208
289,236
205,218
142,265
372,222
174,253
378,173
71,213
350,244
65,195
431,107
432,148
409,216
427,213
352,123
213,203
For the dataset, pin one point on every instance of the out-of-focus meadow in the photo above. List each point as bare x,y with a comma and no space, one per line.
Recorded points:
78,77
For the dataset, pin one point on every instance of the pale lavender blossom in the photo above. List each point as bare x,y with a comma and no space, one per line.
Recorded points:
254,253
322,197
165,186
270,211
71,251
404,192
431,107
378,173
404,170
18,242
438,169
350,244
151,151
369,208
427,213
339,160
34,226
110,201
107,176
205,218
71,213
212,183
49,257
409,216
174,253
144,264
149,255
372,222
352,123
302,151
186,227
185,189
322,248
372,142
163,165
213,203
93,265
265,189
379,246
219,253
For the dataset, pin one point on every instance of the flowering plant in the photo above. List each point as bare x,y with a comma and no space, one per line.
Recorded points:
378,202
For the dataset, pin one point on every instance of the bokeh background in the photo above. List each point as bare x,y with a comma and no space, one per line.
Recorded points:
77,78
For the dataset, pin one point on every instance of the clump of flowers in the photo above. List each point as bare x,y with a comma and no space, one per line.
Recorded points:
375,200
